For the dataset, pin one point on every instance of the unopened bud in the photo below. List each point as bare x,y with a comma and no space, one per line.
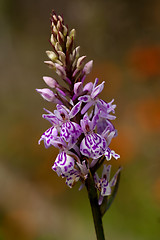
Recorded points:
78,88
51,55
88,87
60,18
65,30
88,67
58,47
50,82
60,70
80,61
47,94
62,57
68,43
52,40
50,64
55,29
72,34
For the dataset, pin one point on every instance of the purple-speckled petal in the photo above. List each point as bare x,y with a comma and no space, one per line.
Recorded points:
97,90
52,119
48,136
61,113
106,172
70,131
105,188
110,153
75,110
86,124
64,162
57,169
84,98
95,119
72,177
93,146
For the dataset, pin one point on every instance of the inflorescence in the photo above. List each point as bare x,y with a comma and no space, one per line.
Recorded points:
81,126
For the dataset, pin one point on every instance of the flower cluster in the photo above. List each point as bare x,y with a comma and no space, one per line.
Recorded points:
81,126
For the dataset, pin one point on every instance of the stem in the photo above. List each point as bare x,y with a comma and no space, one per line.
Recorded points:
92,195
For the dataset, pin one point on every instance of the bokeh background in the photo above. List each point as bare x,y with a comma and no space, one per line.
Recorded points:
123,39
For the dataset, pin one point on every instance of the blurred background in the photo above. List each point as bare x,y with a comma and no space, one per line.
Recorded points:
123,39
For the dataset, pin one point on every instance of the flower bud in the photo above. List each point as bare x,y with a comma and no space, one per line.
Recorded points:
50,64
47,94
58,47
88,67
78,88
60,70
50,82
59,25
80,61
88,87
55,29
72,34
62,57
52,40
68,43
65,30
51,55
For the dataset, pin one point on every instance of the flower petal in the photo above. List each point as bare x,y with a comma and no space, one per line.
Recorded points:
70,131
93,146
97,90
64,162
87,106
48,136
84,98
75,110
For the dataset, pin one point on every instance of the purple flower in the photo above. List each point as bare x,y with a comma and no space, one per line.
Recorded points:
63,163
66,159
108,135
81,125
92,98
104,183
93,145
48,136
70,130
110,153
62,125
71,177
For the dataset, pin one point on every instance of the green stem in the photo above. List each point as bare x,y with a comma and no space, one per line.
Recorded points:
92,194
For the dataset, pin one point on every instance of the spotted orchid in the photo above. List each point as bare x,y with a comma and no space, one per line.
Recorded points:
104,184
81,124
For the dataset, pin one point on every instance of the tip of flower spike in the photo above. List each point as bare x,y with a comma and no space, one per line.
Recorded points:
47,94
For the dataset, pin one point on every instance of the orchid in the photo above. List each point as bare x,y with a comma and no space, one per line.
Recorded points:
81,125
